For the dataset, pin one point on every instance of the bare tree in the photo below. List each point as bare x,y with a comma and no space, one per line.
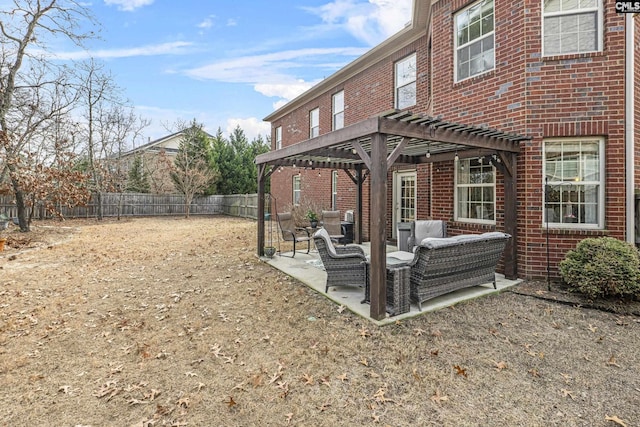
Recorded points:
24,28
193,173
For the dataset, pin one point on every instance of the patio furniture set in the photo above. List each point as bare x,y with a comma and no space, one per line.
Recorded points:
428,265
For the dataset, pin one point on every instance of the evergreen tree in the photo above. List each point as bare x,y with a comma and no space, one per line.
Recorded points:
138,181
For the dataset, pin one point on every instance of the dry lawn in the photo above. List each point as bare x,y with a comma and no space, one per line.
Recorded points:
154,322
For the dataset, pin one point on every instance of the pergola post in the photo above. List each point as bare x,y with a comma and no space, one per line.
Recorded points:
358,216
378,225
510,161
261,178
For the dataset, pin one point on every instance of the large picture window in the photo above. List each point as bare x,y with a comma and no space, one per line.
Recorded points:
296,190
338,110
405,82
314,123
475,53
571,26
475,190
574,188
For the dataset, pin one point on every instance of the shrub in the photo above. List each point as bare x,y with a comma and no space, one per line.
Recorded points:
602,267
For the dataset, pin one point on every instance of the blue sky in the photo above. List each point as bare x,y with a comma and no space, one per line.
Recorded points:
231,62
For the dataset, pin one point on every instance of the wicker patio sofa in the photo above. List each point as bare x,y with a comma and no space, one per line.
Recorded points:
443,265
345,265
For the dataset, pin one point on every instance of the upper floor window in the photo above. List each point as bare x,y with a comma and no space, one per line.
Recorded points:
338,110
574,174
296,190
405,77
314,123
571,26
475,191
278,137
475,53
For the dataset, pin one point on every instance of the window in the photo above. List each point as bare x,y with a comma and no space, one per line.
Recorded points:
475,190
314,123
574,190
475,52
338,110
405,76
278,137
334,190
296,190
571,26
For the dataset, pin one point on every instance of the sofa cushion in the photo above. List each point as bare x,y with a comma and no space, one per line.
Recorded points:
436,242
429,228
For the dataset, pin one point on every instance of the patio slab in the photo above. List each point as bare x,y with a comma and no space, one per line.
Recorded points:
307,269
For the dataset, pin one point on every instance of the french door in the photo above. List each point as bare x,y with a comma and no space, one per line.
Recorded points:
404,198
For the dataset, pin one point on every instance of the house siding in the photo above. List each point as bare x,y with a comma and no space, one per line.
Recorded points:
526,93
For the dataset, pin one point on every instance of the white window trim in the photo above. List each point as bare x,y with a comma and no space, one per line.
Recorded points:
278,137
599,23
456,164
601,183
335,112
311,124
334,190
296,178
395,80
455,44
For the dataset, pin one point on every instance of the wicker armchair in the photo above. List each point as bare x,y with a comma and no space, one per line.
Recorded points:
345,265
291,233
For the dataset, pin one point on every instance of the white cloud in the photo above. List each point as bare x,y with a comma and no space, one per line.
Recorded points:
372,21
207,22
251,127
231,22
172,48
128,5
276,74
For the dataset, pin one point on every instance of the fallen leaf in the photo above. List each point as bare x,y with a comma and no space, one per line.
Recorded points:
615,420
230,403
612,362
567,393
308,379
419,332
500,365
343,377
439,397
364,362
460,371
288,417
592,328
364,333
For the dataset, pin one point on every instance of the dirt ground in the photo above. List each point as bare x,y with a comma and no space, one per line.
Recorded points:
176,322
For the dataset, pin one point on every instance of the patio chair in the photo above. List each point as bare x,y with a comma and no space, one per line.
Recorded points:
291,233
345,265
331,222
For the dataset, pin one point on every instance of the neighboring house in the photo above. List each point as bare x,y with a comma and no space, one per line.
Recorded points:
155,155
512,116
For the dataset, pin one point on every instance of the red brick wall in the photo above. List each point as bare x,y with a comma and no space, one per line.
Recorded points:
572,95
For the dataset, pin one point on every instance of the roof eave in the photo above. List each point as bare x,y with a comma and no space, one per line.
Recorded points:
416,29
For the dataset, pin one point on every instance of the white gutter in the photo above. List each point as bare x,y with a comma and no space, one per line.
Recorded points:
629,127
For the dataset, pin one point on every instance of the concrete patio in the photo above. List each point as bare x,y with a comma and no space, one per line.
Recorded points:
307,268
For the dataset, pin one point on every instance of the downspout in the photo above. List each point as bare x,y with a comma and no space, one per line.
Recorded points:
629,127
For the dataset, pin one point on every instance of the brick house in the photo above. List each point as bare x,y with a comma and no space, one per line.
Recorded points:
511,116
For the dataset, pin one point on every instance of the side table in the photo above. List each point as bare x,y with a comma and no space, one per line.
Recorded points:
398,282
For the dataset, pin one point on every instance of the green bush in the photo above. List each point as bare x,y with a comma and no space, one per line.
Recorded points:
602,267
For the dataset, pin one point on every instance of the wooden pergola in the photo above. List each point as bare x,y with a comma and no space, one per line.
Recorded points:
371,147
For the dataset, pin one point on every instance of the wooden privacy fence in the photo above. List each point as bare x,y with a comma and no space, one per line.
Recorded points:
140,204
